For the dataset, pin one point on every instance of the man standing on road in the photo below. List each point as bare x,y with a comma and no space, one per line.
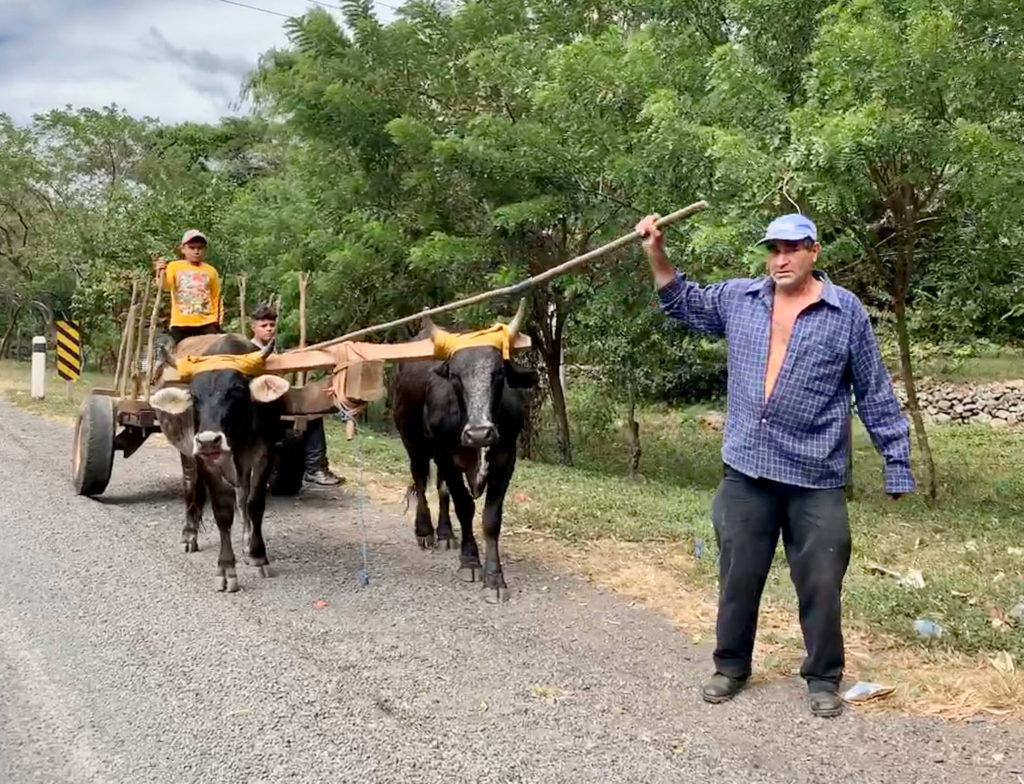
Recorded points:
796,344
314,440
194,287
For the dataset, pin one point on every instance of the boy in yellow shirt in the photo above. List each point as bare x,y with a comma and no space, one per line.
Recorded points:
194,287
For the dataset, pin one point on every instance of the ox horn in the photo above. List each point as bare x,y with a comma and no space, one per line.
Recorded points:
517,321
429,326
268,349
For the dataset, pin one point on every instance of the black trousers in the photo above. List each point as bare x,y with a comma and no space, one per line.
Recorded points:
178,334
314,445
748,516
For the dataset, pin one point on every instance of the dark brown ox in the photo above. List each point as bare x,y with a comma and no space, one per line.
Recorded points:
225,426
465,413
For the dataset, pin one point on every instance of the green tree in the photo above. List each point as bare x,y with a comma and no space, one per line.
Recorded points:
909,141
491,143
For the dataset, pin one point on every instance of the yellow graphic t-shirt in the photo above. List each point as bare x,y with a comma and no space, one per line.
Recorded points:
195,293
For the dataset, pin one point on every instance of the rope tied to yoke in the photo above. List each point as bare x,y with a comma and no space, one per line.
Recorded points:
349,408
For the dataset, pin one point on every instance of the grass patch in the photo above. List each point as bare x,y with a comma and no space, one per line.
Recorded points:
968,547
997,363
16,387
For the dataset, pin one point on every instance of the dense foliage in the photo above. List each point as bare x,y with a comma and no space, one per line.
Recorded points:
468,145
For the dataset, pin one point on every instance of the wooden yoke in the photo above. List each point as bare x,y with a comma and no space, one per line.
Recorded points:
357,372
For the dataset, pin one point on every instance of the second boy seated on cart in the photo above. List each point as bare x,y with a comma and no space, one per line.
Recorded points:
314,441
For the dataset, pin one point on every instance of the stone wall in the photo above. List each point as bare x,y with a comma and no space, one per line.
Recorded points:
999,403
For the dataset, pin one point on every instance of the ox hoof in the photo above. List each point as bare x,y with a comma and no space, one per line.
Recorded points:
227,582
470,574
446,543
191,546
266,571
425,542
496,595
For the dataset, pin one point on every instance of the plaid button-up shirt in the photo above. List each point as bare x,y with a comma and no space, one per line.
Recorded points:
799,434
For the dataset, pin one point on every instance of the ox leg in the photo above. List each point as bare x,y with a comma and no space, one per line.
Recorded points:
222,499
195,500
256,505
420,468
242,514
469,557
494,578
445,534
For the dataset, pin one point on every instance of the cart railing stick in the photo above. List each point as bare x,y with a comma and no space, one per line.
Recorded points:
137,361
129,346
242,326
119,370
303,283
152,335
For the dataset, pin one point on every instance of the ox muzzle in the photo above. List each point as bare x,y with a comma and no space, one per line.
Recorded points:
479,435
210,444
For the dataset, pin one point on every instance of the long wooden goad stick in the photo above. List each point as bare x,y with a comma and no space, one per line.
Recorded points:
522,286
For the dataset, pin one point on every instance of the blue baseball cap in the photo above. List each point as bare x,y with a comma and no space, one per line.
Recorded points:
793,227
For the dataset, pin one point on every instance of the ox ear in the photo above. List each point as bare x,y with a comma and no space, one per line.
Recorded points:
161,360
171,400
268,388
164,355
520,377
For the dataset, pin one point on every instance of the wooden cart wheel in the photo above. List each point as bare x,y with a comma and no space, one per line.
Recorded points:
92,456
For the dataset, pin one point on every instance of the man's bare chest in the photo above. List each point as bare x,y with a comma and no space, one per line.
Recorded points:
783,319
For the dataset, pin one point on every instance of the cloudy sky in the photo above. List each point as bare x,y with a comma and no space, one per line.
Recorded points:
171,59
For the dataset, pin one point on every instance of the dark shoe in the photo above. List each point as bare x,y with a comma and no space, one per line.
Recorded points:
321,477
826,704
721,688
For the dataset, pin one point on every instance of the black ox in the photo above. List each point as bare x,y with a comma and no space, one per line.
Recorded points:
465,413
225,426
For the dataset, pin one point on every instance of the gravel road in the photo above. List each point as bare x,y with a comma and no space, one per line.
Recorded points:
119,662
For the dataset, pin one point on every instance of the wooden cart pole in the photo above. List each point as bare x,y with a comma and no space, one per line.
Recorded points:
522,286
137,360
303,283
122,348
152,335
129,341
243,327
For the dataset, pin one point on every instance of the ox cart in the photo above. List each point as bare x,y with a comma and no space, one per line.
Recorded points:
120,418
110,421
